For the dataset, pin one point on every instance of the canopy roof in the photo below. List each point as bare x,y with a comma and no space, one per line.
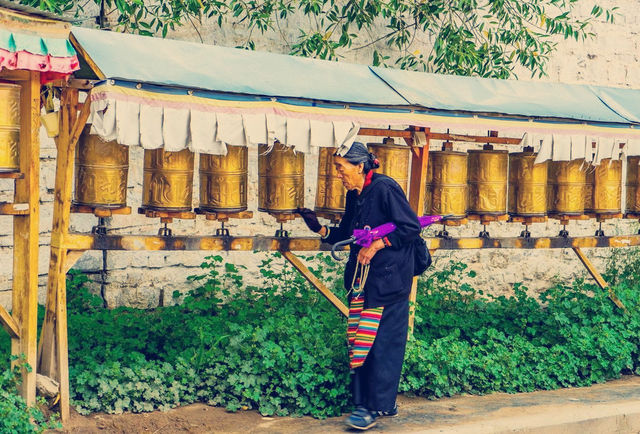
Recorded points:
31,40
287,96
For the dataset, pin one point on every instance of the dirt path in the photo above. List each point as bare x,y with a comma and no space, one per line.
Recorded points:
609,407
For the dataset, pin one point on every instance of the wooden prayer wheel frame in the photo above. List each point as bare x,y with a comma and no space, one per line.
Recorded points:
67,246
21,324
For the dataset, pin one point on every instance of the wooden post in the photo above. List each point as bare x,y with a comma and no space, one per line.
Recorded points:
25,235
598,277
317,283
53,356
417,194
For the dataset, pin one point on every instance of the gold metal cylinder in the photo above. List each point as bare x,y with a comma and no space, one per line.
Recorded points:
446,189
9,127
167,183
566,182
330,192
527,185
488,181
589,184
223,180
280,179
394,161
607,188
101,172
633,185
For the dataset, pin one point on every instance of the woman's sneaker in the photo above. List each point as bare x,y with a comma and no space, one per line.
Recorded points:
361,419
390,413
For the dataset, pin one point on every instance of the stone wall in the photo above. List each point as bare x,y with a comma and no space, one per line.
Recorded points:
146,279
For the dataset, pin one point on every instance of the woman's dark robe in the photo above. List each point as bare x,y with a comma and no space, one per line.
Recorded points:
375,384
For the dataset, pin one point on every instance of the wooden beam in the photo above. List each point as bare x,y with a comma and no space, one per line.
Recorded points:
407,134
26,209
9,324
417,196
14,208
72,258
53,355
598,277
317,283
79,241
15,75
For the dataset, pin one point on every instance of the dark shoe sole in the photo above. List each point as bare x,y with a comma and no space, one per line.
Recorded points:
362,428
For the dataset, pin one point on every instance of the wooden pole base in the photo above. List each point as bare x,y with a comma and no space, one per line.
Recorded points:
224,216
168,216
100,211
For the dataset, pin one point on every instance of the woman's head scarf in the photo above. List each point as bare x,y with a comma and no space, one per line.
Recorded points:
358,153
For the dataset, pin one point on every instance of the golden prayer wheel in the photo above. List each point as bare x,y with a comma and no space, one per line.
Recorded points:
633,185
223,180
101,172
394,161
488,181
167,183
280,179
446,189
607,188
527,185
330,192
9,127
590,180
566,183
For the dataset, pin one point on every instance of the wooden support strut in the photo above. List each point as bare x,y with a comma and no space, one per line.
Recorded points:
417,196
317,283
53,354
9,324
26,212
598,278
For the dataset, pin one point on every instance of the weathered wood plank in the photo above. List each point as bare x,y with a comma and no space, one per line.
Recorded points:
9,324
53,355
317,283
417,196
597,277
26,211
79,241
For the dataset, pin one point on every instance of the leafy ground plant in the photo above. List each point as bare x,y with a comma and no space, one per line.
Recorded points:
15,415
279,347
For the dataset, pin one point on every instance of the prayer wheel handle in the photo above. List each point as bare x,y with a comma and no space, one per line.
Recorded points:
340,244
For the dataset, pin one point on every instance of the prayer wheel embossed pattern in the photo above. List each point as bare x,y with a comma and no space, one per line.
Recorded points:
280,179
330,192
590,180
446,189
488,182
223,180
566,183
167,180
9,127
101,172
527,185
394,161
633,185
607,187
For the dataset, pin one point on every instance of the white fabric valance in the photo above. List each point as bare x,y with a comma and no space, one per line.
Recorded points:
155,126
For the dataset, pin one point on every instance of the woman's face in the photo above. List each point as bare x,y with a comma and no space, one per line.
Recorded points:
351,175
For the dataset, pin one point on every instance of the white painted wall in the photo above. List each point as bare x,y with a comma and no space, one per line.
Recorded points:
144,279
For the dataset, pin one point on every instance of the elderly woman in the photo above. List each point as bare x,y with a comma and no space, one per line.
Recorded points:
385,270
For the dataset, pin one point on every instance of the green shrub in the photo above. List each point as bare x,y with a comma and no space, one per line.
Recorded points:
15,415
279,347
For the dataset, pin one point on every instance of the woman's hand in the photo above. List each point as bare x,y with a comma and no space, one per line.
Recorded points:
367,253
310,219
